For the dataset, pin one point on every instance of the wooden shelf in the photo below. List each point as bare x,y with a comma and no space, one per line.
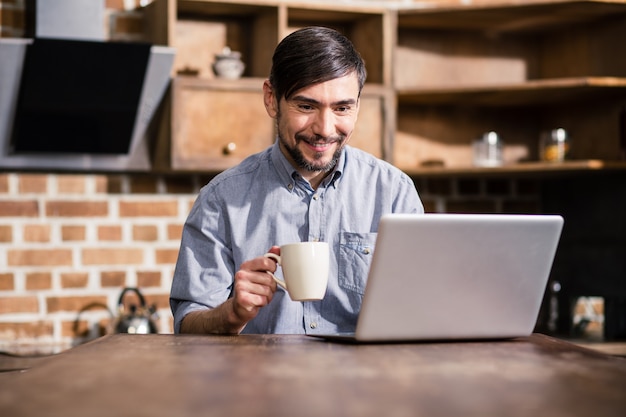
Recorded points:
440,74
497,18
522,169
227,9
535,92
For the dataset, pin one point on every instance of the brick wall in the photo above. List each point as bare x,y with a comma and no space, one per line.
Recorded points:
69,244
12,18
123,19
480,194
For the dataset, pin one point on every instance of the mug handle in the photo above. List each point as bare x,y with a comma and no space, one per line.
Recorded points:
277,259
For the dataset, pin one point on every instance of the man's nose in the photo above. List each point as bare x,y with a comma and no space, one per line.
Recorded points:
324,124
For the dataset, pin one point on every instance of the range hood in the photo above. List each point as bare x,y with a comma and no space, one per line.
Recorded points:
79,105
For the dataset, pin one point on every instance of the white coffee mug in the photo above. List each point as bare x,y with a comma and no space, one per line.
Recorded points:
305,268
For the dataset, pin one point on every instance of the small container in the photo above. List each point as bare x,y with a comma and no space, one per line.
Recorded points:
488,150
554,145
228,64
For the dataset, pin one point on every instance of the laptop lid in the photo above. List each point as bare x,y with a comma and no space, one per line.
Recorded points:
457,276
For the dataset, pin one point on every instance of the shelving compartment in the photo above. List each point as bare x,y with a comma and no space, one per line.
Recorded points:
365,29
518,70
204,28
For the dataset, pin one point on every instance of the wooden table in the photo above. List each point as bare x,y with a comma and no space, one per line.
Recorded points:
267,375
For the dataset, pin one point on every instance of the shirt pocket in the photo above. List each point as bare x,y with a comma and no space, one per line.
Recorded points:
355,258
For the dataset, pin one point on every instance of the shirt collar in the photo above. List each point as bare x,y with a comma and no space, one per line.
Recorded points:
288,173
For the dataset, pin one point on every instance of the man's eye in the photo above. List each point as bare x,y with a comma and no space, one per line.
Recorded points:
342,109
305,107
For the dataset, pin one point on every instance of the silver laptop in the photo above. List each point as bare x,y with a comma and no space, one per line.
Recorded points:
456,277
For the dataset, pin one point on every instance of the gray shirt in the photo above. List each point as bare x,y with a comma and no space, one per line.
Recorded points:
262,202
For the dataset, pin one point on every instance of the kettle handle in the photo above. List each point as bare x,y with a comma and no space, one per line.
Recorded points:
120,301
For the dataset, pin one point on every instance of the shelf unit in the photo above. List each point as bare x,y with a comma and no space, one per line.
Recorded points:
207,131
516,68
440,74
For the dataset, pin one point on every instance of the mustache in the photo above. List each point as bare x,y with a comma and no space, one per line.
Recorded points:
319,139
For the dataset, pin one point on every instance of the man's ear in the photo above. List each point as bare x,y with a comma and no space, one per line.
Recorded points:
269,99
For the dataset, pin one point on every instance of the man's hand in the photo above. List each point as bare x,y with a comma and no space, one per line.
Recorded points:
253,289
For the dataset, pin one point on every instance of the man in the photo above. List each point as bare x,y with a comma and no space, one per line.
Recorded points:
308,186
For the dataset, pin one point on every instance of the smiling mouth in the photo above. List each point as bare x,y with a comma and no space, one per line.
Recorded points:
320,146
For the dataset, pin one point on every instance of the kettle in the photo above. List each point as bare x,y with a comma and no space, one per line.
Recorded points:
135,319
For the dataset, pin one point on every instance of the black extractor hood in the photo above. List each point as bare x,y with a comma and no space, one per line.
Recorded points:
80,105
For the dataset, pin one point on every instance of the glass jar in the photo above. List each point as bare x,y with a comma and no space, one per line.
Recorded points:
554,145
488,150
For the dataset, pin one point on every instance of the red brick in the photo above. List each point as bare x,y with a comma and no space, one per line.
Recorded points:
14,331
4,183
471,206
143,184
102,184
37,233
73,303
179,185
6,282
33,183
39,281
113,279
74,280
28,304
499,186
112,256
190,204
439,186
146,233
77,208
148,208
110,233
40,257
469,186
6,234
71,184
521,207
527,187
28,208
174,231
430,205
73,233
148,279
162,301
166,256
114,184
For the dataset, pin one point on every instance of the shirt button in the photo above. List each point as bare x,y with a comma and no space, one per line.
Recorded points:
290,186
313,325
316,197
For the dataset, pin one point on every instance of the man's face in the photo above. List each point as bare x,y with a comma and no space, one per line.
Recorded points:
316,123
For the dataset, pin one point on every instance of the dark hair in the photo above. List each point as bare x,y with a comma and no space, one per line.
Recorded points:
313,55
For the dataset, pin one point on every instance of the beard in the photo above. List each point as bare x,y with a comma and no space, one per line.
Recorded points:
317,164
